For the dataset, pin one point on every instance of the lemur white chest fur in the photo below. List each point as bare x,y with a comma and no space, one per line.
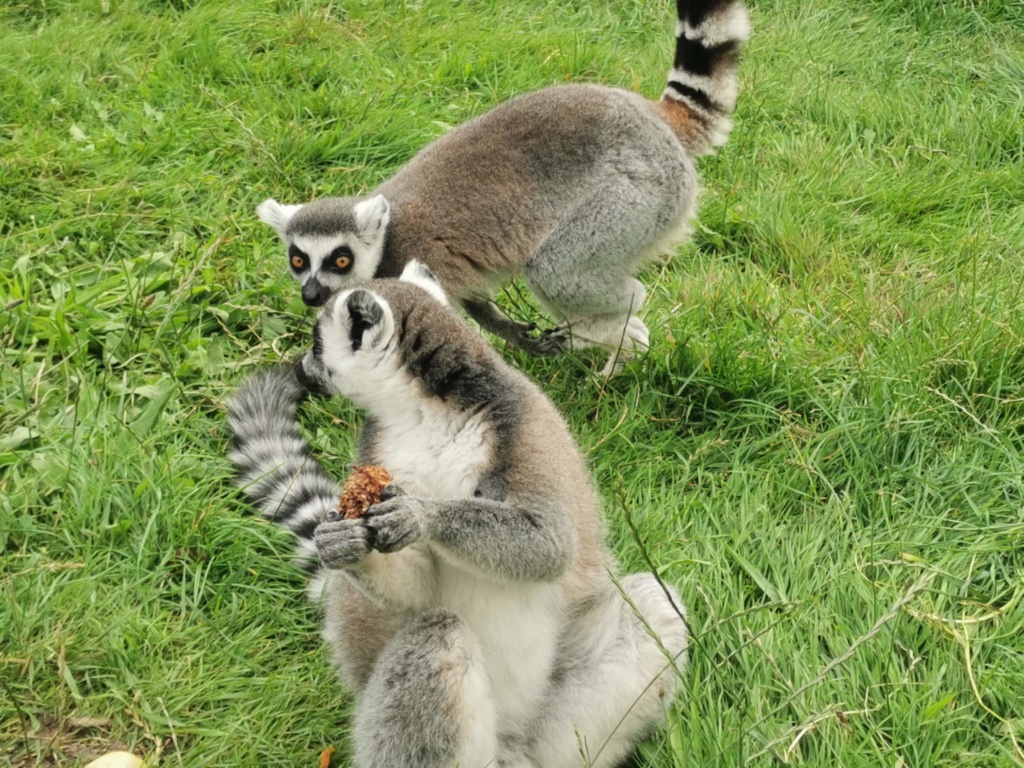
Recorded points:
429,452
471,610
572,187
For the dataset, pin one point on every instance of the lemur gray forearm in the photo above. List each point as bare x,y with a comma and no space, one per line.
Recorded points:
513,542
487,314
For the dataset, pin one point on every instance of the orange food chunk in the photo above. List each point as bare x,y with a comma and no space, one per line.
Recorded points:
362,490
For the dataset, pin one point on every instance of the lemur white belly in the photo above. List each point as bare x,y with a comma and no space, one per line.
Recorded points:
516,626
429,454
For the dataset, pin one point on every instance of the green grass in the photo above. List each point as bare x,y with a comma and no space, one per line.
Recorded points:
823,449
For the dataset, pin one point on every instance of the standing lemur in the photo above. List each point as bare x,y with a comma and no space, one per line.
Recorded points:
474,611
573,187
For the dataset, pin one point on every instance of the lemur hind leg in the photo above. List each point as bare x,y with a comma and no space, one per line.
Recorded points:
624,333
583,272
427,703
615,680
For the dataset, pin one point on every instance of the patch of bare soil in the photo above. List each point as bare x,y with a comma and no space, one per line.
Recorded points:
70,741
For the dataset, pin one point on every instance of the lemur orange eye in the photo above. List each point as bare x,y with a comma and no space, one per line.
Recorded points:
296,258
340,259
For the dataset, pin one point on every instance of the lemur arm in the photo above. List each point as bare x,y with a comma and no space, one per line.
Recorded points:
525,539
489,317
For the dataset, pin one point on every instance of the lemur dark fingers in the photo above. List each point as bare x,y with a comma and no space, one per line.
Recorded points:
397,523
341,543
391,491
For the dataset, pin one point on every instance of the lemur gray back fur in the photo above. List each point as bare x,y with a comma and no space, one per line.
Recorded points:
572,187
473,612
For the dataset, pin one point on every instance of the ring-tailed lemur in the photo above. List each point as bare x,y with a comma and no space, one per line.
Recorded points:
473,611
573,187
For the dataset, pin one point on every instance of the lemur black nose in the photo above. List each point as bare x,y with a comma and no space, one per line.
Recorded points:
315,293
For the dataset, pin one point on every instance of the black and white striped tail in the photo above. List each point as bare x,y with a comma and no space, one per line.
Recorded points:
703,77
275,469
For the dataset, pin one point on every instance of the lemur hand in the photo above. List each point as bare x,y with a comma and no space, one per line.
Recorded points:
397,521
341,543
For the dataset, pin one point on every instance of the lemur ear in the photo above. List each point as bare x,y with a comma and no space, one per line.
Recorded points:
365,318
418,273
372,217
273,214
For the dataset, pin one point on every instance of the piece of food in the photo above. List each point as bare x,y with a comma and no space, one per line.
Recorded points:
116,760
362,490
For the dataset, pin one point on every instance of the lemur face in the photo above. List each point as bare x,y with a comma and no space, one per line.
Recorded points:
320,267
332,244
360,340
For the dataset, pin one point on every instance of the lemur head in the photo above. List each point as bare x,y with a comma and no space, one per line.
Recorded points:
332,243
392,341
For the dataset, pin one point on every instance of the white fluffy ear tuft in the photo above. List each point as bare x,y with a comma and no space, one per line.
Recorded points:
372,217
273,214
418,273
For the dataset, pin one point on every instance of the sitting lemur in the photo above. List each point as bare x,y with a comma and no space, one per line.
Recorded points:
475,611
